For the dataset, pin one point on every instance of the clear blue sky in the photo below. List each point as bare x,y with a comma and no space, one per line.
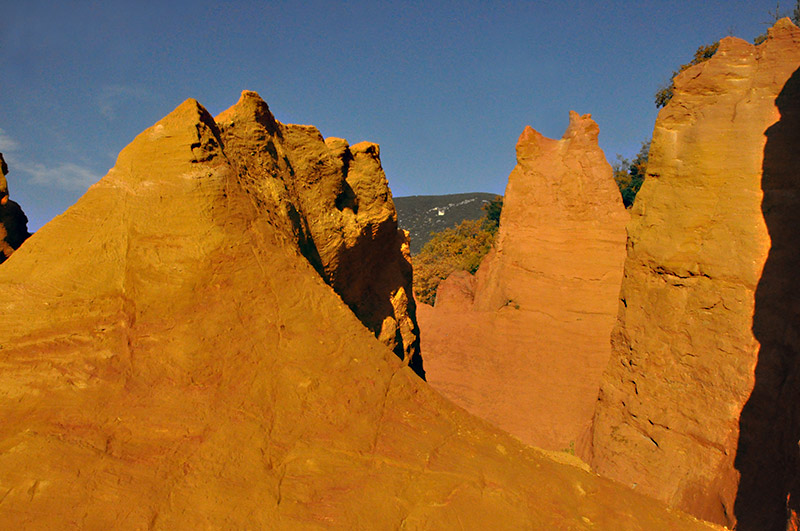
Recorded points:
444,87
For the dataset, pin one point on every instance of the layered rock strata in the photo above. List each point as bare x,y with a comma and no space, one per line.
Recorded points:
185,367
13,222
698,406
525,342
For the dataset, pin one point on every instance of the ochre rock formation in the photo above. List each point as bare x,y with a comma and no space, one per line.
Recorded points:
171,360
13,222
456,292
694,408
334,199
527,353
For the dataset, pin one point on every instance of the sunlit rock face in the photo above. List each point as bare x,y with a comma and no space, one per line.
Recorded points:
525,342
698,405
334,200
172,359
13,222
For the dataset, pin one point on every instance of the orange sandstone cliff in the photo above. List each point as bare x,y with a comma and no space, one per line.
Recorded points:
13,222
698,405
172,360
525,342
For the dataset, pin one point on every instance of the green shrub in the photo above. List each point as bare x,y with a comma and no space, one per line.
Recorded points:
703,53
630,175
460,248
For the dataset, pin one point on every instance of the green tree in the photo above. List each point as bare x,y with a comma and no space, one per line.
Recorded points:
630,174
493,209
703,53
460,248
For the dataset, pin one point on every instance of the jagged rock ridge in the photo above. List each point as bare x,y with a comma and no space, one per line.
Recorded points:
524,343
13,222
334,199
185,367
698,404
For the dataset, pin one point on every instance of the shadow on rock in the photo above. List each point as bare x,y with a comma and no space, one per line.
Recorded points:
767,455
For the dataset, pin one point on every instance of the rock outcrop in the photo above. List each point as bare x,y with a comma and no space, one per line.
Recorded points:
183,366
334,199
528,350
13,222
699,402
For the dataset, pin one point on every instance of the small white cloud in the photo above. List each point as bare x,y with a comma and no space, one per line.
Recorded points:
7,143
67,176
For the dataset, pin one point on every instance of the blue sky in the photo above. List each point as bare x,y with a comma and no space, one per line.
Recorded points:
445,87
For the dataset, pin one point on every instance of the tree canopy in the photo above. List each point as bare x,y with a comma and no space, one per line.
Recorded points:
460,248
630,174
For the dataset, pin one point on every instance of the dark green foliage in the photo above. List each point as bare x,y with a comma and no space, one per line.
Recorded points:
629,175
460,248
703,53
423,215
493,209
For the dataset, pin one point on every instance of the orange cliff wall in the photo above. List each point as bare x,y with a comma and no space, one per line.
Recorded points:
698,406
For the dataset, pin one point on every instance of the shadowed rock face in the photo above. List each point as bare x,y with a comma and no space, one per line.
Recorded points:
335,201
185,367
13,222
525,342
691,343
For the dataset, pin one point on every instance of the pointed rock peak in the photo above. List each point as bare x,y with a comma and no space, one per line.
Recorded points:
250,107
3,165
731,45
337,144
369,148
531,142
188,133
782,27
530,135
581,129
581,126
189,111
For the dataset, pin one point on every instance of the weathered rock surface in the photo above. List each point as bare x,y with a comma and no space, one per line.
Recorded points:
702,333
13,222
184,367
334,199
526,350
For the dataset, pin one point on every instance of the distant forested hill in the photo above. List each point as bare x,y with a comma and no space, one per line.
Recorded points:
422,214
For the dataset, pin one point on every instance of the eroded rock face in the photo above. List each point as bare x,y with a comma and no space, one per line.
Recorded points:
698,404
13,222
335,200
185,367
524,344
